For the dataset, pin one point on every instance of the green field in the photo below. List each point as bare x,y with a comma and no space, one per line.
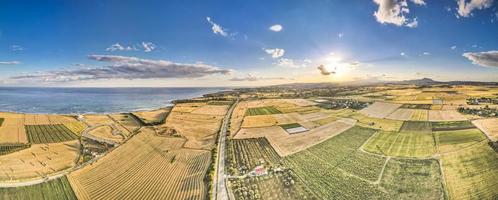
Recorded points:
471,173
413,179
449,141
332,168
416,126
1,121
402,144
38,134
453,125
417,106
288,126
268,110
10,148
57,189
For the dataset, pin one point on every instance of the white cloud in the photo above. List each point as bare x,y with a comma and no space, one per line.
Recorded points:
119,47
340,35
465,7
402,54
426,53
419,2
148,46
16,48
122,67
276,28
275,53
217,29
395,12
487,59
285,62
9,62
453,47
324,71
413,23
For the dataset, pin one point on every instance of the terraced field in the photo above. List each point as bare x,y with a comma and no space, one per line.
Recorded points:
471,173
268,110
57,189
38,134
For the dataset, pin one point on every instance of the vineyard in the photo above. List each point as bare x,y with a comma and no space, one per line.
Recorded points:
75,127
245,154
9,148
262,111
57,189
38,134
322,169
145,167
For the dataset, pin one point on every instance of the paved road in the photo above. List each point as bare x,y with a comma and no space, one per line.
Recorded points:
220,190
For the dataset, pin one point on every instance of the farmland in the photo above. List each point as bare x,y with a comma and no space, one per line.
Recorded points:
142,168
449,141
1,121
471,173
153,117
402,144
408,179
38,161
380,109
488,126
416,126
452,125
9,148
59,189
262,111
245,154
49,134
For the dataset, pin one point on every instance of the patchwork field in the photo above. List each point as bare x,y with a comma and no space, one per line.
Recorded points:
416,126
488,126
49,134
401,114
420,115
471,173
377,123
451,125
329,169
286,144
54,189
38,161
143,168
380,109
199,129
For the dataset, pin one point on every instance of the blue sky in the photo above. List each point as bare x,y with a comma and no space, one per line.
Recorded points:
172,43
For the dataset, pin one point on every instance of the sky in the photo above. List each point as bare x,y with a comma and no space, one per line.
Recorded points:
191,43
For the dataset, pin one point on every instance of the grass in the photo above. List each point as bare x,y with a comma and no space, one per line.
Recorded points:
416,126
334,169
53,189
449,141
413,179
38,134
10,148
471,173
268,110
453,125
289,126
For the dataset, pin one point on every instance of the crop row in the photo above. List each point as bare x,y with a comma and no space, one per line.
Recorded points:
49,133
9,148
58,189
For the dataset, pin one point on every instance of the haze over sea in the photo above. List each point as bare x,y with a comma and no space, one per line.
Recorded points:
92,100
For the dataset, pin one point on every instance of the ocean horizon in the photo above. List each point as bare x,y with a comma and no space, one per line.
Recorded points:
86,100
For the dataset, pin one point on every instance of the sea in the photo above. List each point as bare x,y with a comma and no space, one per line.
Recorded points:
92,100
